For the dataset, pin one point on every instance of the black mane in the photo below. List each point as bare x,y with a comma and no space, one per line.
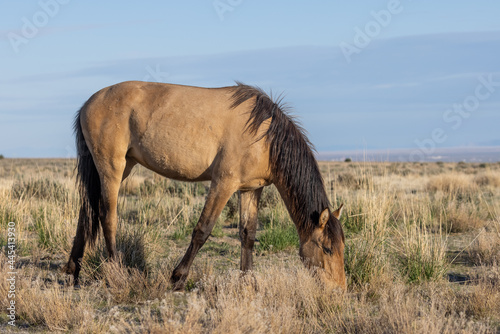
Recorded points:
293,164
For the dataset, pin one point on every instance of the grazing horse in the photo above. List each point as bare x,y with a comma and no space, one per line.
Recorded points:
237,137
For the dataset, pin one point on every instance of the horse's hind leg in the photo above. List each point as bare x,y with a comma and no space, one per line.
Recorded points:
249,201
217,198
112,175
110,183
74,263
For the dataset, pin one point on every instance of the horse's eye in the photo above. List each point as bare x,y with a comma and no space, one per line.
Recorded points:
327,250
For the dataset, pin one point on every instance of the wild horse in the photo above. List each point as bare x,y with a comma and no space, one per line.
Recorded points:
237,137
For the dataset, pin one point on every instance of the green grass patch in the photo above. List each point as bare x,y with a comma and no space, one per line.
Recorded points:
418,268
278,238
217,231
363,260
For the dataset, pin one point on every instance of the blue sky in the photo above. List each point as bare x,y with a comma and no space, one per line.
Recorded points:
412,80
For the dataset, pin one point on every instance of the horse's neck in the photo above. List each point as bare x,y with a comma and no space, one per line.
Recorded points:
302,207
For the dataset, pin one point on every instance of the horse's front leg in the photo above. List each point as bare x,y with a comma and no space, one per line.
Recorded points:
249,201
218,195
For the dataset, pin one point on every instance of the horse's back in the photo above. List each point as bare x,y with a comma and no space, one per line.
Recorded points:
181,132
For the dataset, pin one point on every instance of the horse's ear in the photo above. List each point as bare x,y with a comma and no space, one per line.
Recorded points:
338,212
323,218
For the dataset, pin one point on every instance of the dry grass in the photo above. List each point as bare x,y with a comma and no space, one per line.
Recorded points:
485,248
404,226
463,217
132,185
455,184
488,179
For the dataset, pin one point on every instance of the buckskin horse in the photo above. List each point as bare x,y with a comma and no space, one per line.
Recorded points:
237,137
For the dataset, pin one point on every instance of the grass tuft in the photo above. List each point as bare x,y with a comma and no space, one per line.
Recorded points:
40,189
485,249
420,255
454,184
487,179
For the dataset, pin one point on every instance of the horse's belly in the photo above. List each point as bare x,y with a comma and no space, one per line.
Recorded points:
176,155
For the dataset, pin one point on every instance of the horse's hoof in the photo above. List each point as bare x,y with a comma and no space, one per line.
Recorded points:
178,281
69,268
77,287
178,286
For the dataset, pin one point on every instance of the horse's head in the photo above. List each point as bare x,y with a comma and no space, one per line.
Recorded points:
323,250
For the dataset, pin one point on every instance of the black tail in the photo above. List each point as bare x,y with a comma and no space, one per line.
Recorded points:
89,186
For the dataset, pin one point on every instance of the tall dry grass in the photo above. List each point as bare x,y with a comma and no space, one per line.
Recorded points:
488,179
452,183
402,243
485,248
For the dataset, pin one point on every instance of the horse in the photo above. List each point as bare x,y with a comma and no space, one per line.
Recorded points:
236,137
